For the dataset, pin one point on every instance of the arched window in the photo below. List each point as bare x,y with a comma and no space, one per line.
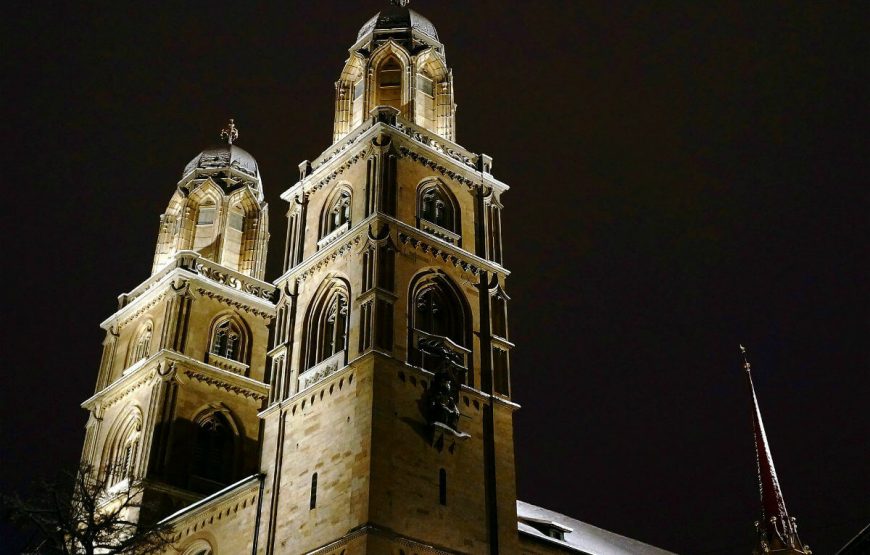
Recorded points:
123,447
390,83
199,547
228,340
141,346
233,242
425,105
436,310
438,212
327,325
213,456
205,218
336,212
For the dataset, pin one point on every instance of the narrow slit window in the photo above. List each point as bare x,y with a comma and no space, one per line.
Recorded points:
313,502
442,486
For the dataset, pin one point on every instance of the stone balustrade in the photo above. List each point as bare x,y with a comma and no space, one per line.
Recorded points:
322,370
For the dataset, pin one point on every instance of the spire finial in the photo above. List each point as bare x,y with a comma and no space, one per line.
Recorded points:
746,365
775,528
230,132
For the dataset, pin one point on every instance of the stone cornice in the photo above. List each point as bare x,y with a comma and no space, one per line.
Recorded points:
124,385
441,155
406,234
423,242
237,290
220,499
335,250
218,377
169,364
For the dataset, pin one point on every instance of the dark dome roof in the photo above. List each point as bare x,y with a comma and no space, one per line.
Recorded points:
398,17
224,156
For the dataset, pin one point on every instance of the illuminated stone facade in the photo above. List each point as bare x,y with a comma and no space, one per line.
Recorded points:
362,402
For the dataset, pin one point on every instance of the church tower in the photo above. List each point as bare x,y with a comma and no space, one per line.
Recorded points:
389,426
182,373
777,532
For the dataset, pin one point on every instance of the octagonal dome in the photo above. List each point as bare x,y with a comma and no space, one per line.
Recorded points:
398,17
224,156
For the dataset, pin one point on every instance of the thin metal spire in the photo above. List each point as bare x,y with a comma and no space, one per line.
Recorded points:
230,132
776,528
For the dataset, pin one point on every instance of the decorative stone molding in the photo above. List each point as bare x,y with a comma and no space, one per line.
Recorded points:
340,170
338,232
346,144
406,152
437,143
438,252
439,232
322,370
142,310
228,364
223,384
346,248
234,303
240,282
144,378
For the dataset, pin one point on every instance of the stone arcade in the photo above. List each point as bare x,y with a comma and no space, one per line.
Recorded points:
362,402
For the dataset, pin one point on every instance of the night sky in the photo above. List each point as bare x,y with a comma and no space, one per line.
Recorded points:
685,177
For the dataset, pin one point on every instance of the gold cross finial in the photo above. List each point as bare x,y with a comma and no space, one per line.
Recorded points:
230,132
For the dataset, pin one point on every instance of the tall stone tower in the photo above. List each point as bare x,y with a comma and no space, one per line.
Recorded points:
389,424
777,531
182,374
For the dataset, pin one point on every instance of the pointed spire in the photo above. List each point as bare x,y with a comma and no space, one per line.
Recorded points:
230,132
777,531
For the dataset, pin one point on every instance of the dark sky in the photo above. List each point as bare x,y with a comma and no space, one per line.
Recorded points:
685,177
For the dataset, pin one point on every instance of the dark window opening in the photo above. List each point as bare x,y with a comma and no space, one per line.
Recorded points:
442,486
313,501
213,450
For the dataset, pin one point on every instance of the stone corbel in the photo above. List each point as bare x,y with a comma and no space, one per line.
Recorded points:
167,372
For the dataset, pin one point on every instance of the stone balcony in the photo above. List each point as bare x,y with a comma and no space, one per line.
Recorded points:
322,370
442,233
228,364
193,262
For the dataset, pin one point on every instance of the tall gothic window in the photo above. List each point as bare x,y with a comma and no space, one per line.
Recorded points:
437,310
123,448
390,83
141,345
336,212
328,326
204,235
436,205
228,340
213,452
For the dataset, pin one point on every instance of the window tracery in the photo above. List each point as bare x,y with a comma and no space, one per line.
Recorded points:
123,448
228,340
438,212
437,310
328,326
336,214
141,345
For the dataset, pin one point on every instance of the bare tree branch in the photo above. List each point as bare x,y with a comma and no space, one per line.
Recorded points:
83,512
